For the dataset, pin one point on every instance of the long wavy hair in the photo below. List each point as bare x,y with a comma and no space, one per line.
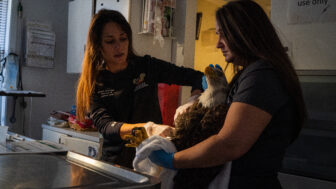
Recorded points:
93,60
251,36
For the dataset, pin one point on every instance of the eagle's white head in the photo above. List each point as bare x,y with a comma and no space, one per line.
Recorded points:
216,92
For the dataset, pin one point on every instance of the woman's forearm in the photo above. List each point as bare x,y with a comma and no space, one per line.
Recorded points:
243,125
210,152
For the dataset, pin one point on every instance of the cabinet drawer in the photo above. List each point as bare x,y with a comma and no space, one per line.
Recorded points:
82,146
85,147
52,136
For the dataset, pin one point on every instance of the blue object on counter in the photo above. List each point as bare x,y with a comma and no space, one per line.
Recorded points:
73,110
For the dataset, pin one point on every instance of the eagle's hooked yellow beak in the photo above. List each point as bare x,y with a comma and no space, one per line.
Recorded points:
211,74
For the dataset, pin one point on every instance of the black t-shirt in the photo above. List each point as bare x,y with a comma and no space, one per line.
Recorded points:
131,95
259,85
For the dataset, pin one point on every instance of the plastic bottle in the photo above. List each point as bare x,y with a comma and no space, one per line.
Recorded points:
73,110
10,73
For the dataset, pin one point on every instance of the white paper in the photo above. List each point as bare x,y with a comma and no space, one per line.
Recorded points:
311,11
40,47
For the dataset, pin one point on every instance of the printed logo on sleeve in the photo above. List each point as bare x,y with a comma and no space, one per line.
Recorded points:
109,92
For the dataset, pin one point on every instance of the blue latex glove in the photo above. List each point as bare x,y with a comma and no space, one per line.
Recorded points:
162,158
218,67
204,83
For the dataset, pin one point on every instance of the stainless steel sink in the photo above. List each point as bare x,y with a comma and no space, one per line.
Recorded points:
67,170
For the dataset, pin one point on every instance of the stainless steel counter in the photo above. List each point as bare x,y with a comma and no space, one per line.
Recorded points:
67,170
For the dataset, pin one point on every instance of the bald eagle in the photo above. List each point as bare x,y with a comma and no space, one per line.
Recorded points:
201,120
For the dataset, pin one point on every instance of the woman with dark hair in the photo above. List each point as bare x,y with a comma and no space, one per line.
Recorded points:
119,89
266,107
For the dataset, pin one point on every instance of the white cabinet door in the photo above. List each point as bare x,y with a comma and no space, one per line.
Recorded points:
120,5
79,17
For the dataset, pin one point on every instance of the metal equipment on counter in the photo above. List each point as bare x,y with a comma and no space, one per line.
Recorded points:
67,170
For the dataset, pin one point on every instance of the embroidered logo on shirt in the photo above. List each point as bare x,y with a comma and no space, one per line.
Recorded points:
109,92
140,79
140,86
140,82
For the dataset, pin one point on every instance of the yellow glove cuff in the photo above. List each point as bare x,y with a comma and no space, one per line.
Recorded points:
126,129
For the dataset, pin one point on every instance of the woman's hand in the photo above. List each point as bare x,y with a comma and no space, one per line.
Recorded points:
162,158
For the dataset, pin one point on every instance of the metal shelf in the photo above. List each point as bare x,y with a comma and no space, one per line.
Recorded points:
16,93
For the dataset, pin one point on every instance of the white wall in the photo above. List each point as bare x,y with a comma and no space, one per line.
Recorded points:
55,83
179,50
189,42
311,43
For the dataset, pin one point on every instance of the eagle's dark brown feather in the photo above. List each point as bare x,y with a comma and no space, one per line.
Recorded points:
195,125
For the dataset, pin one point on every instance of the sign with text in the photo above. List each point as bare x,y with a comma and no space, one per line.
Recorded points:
311,11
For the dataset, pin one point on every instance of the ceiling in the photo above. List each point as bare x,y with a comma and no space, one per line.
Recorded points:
263,3
266,4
